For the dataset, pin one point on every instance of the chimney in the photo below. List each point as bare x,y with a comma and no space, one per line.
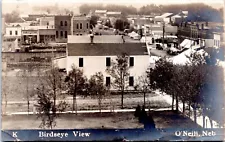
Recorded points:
202,26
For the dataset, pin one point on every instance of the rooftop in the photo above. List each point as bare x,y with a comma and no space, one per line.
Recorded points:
106,49
113,12
80,18
36,27
103,46
100,11
101,39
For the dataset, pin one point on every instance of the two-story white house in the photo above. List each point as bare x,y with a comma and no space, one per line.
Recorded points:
97,55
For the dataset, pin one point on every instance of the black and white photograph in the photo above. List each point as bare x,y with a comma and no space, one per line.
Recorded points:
94,70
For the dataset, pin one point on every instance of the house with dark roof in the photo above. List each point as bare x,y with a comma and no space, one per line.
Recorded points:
96,55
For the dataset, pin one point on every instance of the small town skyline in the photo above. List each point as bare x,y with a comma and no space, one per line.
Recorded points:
26,6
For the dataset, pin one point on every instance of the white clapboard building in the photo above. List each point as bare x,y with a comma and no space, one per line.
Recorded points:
96,55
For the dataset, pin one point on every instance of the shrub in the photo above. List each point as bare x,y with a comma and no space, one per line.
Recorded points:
137,111
143,115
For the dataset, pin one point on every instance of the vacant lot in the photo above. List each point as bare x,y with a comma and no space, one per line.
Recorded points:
163,119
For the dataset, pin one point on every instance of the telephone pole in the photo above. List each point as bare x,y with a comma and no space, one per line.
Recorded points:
163,34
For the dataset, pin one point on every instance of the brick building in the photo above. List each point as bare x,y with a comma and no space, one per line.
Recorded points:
80,25
62,27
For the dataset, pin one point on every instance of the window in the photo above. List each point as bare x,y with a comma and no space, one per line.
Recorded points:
77,26
80,25
108,62
131,61
107,81
10,32
57,34
61,33
65,23
65,34
16,33
81,64
131,81
61,23
87,26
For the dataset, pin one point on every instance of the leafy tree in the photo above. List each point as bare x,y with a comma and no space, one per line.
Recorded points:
160,77
76,83
120,74
108,23
212,94
12,17
97,88
121,24
94,20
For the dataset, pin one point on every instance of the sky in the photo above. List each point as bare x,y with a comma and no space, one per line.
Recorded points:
25,6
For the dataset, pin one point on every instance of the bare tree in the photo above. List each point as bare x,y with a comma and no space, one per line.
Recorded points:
76,83
97,88
120,73
47,93
53,80
27,76
143,85
45,107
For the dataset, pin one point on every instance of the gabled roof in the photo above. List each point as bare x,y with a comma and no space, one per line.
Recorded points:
107,45
106,49
166,15
100,39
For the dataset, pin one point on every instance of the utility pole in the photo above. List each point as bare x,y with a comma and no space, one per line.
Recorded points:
163,34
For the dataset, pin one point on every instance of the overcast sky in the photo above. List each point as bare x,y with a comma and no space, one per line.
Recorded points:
25,6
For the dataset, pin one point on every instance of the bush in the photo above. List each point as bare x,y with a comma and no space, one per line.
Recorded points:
137,111
143,115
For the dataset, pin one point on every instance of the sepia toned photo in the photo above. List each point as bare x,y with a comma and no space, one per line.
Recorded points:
109,70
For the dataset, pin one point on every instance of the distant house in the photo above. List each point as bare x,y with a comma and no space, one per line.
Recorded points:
47,21
13,31
95,56
80,25
100,13
166,17
115,14
176,19
157,29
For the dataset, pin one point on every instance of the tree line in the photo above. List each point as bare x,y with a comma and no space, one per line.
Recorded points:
197,85
197,11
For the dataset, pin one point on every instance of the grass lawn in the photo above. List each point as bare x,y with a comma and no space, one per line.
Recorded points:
163,119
